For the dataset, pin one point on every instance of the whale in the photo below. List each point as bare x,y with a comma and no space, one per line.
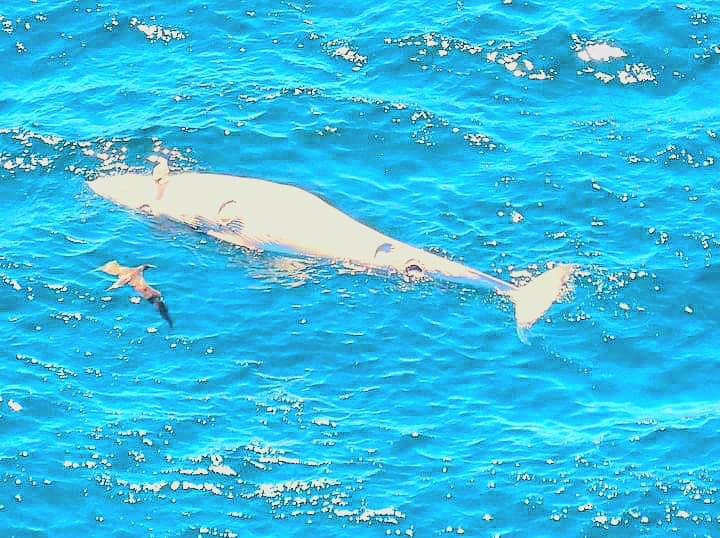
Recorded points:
264,215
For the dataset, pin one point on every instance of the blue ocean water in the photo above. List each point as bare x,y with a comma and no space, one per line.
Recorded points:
295,398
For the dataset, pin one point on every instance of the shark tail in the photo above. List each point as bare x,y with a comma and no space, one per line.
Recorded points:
534,298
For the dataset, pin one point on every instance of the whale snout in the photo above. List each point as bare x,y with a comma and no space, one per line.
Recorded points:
130,190
100,185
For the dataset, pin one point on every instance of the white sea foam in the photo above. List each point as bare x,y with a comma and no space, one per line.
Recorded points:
600,52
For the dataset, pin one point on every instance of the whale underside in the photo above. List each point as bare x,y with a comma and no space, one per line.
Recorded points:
264,215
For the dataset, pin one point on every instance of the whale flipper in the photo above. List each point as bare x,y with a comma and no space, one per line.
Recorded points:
161,170
227,229
231,234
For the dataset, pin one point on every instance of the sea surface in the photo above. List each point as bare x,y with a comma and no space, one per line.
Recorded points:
297,398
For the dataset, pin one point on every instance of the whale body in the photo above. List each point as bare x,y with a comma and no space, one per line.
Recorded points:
265,215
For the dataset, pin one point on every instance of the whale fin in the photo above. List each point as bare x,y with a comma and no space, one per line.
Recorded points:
534,298
161,170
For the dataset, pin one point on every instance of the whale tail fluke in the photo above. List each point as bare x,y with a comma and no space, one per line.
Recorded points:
534,298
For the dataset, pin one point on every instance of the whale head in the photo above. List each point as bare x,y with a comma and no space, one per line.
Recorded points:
129,190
